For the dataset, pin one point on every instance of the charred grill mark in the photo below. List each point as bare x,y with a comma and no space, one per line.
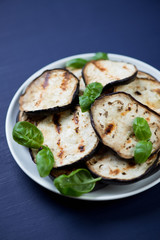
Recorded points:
146,112
125,67
128,109
65,81
61,153
100,166
136,107
45,83
128,147
129,140
106,114
75,118
58,142
119,104
137,93
114,172
77,130
130,166
81,148
155,133
157,90
55,119
98,65
109,128
39,101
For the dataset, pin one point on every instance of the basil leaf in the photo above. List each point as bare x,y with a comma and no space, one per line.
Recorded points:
27,134
92,91
100,55
80,62
44,161
141,129
142,151
85,103
76,183
76,63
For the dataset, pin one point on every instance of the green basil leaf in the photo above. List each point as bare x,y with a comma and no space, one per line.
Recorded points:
100,55
142,151
80,62
28,135
76,63
76,183
44,161
85,103
92,91
141,129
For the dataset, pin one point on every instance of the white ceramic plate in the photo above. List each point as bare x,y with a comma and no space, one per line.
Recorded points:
23,158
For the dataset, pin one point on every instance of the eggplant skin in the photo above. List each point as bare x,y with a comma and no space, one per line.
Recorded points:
112,118
53,91
115,170
145,89
96,71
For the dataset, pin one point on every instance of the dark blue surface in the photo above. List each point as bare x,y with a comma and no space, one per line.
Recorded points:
33,34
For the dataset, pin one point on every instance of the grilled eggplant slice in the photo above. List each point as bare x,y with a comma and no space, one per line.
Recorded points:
145,89
113,169
112,118
54,90
108,73
69,135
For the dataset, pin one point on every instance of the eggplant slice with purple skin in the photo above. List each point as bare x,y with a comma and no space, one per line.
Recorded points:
69,135
53,91
115,170
112,118
145,89
108,73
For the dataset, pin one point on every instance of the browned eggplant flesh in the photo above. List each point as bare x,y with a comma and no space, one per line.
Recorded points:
113,169
108,72
112,118
145,89
69,135
54,90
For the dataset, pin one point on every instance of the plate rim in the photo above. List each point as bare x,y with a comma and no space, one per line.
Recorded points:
22,88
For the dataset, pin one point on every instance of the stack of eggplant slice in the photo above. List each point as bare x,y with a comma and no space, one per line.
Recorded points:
101,139
134,95
68,133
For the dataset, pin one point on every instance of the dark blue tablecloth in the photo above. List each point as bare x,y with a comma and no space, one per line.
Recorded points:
33,34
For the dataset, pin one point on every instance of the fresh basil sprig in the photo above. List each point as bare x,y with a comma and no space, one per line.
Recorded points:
92,91
28,135
100,55
76,63
143,133
44,161
142,151
80,62
141,129
76,183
